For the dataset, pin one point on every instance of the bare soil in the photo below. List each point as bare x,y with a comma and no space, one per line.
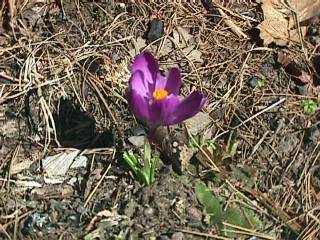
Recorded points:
64,72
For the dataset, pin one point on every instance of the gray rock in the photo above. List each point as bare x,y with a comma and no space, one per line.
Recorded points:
155,30
137,141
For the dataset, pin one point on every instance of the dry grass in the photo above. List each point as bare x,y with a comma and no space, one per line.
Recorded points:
89,62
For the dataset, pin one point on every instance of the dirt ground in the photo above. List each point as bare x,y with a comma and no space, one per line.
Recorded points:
64,73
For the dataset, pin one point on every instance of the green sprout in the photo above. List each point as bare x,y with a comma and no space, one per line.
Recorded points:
310,106
227,217
144,168
232,144
260,83
257,83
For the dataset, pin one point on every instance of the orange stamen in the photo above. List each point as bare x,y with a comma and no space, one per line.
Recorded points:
160,94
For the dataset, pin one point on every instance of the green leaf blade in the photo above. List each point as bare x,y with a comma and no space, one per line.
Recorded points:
210,202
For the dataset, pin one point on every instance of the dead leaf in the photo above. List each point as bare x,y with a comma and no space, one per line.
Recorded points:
183,40
138,44
49,191
279,25
33,16
112,217
19,167
299,76
28,184
193,54
59,164
305,9
283,59
294,70
274,27
184,34
79,162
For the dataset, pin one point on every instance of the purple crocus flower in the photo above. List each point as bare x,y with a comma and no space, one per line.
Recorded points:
153,98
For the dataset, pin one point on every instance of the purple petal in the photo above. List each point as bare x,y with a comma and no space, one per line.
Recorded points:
160,111
148,65
187,108
139,106
173,81
161,81
138,84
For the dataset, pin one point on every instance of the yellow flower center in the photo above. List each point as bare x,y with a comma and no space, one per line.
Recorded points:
160,94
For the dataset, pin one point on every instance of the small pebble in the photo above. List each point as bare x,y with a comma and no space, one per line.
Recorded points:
255,82
81,209
138,131
164,237
155,30
216,18
315,40
313,31
251,14
35,167
177,236
148,212
137,141
312,135
303,90
73,218
194,214
130,208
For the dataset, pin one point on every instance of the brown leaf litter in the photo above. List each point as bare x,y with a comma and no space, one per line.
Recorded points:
301,75
282,22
